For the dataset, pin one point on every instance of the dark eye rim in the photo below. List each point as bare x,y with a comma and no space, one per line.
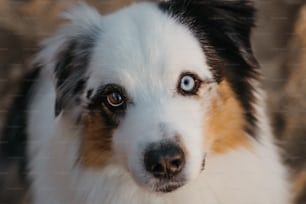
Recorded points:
114,88
196,87
113,104
101,97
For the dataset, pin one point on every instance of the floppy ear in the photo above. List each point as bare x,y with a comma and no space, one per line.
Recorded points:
67,54
223,27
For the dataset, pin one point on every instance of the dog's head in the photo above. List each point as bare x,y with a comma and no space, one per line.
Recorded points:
156,87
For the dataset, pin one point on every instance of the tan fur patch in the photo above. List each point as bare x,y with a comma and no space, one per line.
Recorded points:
299,182
96,145
226,122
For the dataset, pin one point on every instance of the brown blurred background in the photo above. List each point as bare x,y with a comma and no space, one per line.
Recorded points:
279,43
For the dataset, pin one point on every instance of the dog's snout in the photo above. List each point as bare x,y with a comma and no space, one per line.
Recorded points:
164,160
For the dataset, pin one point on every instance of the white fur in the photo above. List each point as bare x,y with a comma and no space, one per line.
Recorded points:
145,51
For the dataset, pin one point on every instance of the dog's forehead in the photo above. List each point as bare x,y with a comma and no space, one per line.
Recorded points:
142,44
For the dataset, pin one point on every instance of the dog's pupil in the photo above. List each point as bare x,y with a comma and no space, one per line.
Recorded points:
115,98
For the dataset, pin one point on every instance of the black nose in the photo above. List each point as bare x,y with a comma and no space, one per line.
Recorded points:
164,160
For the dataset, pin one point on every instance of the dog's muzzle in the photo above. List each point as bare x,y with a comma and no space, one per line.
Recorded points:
165,162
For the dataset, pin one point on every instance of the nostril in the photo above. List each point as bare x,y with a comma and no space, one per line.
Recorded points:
176,163
155,164
157,168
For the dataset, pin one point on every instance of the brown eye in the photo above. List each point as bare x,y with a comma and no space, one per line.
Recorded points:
115,99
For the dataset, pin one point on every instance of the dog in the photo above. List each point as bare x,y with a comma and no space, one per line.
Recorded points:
159,102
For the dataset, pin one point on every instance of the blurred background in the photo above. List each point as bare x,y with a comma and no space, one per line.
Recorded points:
279,42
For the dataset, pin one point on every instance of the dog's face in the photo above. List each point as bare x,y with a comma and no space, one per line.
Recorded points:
151,88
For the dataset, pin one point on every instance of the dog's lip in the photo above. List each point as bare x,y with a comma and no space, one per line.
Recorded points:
167,188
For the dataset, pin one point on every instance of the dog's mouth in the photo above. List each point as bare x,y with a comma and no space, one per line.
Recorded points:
168,187
165,168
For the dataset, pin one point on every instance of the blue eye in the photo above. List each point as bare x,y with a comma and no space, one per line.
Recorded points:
187,83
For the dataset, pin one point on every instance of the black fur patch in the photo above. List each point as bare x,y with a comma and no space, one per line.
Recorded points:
14,136
223,27
71,67
301,199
